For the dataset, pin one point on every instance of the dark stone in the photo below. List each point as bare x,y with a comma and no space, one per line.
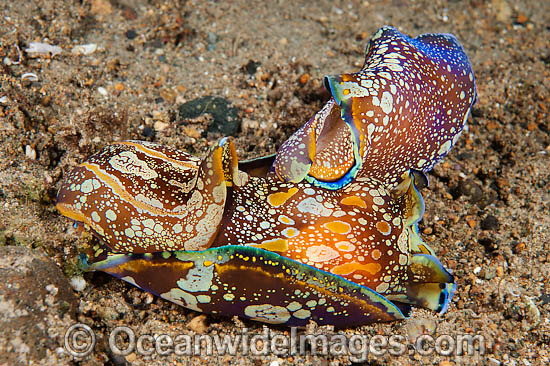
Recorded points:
477,112
468,188
130,34
490,223
225,117
251,67
148,132
489,244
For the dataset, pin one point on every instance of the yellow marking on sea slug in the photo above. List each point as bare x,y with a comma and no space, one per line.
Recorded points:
348,268
277,199
290,232
144,266
344,246
376,254
277,245
383,227
286,220
353,201
338,227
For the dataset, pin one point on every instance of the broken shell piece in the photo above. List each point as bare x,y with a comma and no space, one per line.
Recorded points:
84,49
38,49
29,76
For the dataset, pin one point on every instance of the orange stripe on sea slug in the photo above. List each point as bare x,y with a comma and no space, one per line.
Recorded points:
68,210
338,227
353,201
141,265
276,245
277,199
348,268
383,227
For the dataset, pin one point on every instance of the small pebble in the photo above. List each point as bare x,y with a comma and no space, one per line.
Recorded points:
417,326
30,153
503,10
52,289
47,178
129,13
148,298
521,18
251,67
84,49
131,358
101,90
130,34
533,313
148,132
490,223
192,132
78,283
101,7
160,126
168,95
198,324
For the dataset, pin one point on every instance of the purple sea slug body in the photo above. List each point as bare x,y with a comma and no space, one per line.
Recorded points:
325,231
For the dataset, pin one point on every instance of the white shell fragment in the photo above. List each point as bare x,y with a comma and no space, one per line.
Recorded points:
84,49
101,90
30,76
38,49
30,153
